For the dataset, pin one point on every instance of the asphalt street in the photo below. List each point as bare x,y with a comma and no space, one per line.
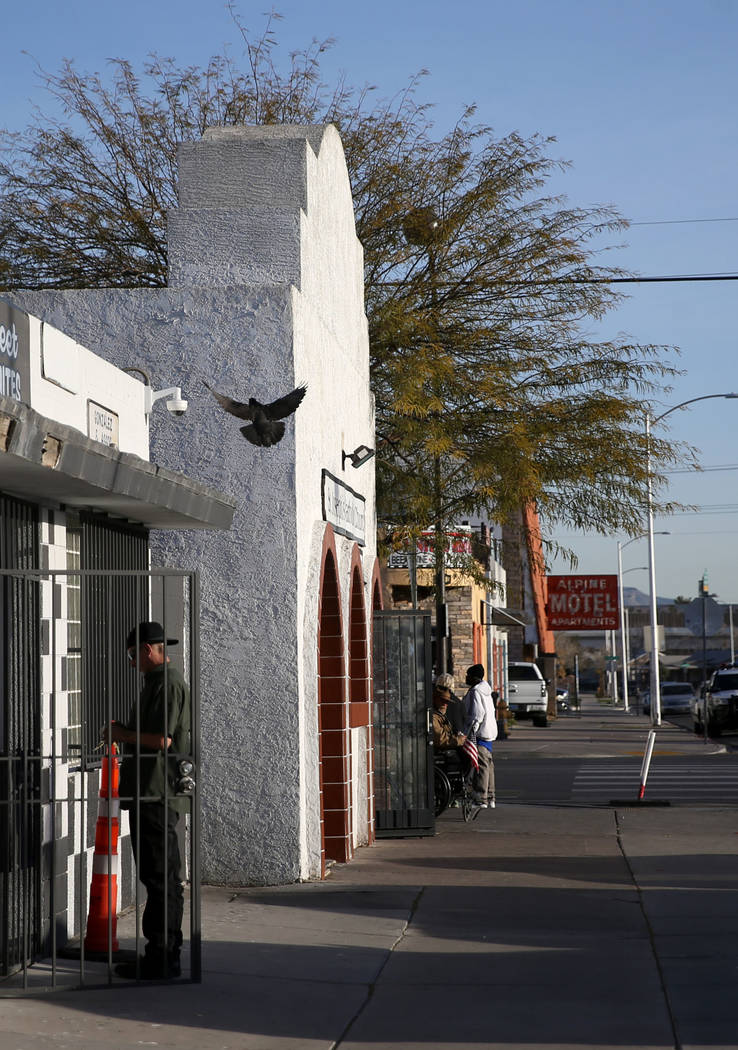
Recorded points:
596,758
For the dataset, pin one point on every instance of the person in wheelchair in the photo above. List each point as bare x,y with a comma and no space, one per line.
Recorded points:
452,764
447,742
445,737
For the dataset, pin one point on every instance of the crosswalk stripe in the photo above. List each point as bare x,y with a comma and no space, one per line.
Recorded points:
696,781
691,788
661,776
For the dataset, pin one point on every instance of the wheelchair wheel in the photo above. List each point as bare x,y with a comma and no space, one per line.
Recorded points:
467,803
441,790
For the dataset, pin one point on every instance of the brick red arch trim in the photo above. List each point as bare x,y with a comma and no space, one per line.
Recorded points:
377,600
359,681
377,603
332,714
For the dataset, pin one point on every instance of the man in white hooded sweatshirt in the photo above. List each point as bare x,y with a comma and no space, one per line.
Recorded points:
480,725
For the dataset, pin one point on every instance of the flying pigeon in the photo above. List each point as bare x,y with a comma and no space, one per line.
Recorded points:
263,430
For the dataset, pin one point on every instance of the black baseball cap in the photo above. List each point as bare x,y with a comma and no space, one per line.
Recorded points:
150,632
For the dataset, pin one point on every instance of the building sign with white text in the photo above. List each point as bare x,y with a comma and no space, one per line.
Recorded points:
344,509
15,354
583,603
457,554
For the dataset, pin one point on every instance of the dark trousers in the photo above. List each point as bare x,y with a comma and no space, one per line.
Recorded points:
156,848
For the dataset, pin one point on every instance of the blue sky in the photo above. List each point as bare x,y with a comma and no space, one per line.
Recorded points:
641,97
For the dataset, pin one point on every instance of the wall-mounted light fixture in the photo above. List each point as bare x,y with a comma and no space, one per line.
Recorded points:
176,404
361,455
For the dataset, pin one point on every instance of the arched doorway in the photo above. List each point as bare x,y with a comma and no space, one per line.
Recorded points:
360,693
332,722
359,684
377,605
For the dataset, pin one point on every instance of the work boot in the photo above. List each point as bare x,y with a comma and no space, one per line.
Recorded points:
150,968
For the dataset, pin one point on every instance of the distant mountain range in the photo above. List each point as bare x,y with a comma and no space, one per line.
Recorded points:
633,597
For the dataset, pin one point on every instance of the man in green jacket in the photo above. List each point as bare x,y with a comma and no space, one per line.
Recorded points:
155,737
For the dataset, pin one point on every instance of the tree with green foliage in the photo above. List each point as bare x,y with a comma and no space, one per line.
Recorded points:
479,286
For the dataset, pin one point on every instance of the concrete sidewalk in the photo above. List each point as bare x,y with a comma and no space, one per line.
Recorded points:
532,927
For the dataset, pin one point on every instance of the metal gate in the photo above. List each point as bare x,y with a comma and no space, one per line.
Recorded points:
67,673
20,776
403,738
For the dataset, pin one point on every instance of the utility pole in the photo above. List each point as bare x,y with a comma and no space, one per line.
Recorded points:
703,592
439,560
422,227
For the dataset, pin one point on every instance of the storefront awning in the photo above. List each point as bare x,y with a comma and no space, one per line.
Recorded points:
677,660
45,461
498,617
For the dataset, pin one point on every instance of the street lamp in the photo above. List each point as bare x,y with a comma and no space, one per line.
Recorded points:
624,636
655,683
621,599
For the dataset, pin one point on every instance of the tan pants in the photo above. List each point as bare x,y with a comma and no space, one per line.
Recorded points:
484,779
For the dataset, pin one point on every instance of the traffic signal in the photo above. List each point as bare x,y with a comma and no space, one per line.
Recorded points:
703,590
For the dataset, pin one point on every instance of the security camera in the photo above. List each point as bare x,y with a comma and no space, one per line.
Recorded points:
175,403
177,406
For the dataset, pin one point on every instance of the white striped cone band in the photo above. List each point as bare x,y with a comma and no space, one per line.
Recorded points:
102,864
109,807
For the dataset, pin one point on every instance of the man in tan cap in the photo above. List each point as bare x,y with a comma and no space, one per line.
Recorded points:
444,736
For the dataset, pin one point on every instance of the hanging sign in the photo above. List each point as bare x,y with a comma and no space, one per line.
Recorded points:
583,603
15,354
344,509
457,554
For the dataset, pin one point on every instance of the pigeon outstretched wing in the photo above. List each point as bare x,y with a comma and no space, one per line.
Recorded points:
237,408
285,406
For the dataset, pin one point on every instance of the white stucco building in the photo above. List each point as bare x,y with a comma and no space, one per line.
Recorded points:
265,292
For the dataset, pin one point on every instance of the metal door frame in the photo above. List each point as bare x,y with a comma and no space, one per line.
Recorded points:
411,784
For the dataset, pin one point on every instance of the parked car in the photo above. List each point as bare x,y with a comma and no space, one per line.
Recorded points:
528,694
719,704
589,681
676,698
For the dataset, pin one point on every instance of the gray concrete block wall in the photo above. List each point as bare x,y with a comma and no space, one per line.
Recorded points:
262,246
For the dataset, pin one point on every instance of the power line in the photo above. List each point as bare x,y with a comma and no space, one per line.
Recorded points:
660,279
702,470
680,222
668,278
716,508
542,282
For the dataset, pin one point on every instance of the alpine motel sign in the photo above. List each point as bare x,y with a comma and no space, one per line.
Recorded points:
583,603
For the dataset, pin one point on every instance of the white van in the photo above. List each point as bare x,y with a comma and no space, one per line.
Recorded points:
528,693
721,702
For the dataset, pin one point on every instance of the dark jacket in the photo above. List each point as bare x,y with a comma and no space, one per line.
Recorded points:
149,776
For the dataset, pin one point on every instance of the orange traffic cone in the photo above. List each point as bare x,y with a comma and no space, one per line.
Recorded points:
102,918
